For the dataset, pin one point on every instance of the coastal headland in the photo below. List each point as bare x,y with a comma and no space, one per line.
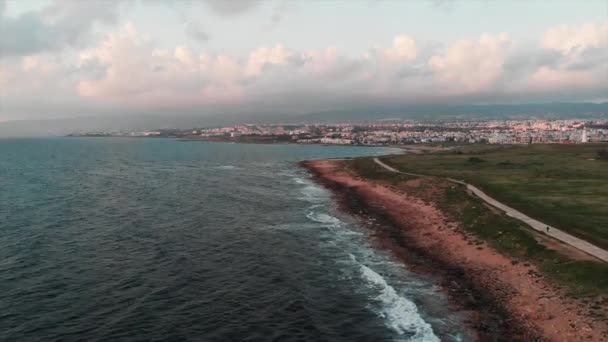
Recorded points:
517,284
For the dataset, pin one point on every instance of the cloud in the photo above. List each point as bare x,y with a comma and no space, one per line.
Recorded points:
266,57
129,70
443,5
575,39
231,7
2,77
470,66
580,47
67,23
137,73
550,78
279,11
45,78
404,50
581,58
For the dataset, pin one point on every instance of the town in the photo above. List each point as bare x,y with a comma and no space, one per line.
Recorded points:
393,133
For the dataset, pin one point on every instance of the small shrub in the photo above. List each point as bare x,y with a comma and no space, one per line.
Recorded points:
602,154
475,160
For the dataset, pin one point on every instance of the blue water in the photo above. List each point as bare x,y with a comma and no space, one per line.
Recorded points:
114,239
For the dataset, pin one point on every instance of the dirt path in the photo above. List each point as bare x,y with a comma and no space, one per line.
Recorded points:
560,235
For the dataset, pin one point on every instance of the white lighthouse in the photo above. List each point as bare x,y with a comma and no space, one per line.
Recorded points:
584,137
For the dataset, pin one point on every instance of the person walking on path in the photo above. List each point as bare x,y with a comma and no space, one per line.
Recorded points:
547,229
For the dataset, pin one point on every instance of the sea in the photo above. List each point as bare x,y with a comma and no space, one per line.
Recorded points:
142,239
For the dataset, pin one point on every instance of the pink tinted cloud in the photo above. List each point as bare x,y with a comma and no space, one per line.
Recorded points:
471,66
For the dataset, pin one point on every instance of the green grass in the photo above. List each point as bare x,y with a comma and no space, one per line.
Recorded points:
562,185
554,183
583,278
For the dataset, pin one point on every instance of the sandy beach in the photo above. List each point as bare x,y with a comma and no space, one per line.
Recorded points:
509,301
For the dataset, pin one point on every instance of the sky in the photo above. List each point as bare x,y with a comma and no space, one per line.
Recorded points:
74,58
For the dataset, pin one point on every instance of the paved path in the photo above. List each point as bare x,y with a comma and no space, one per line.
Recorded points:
535,224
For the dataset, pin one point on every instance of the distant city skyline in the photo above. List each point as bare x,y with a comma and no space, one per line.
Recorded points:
65,59
389,132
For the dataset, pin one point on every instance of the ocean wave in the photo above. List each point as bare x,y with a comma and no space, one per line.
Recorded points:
310,192
400,314
300,181
227,167
264,164
324,218
292,226
285,173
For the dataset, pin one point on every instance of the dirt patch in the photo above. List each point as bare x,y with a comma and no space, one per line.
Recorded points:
412,183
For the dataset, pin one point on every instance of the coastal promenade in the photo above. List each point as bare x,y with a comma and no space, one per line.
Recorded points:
560,235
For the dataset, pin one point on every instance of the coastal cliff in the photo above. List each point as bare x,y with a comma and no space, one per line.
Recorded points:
509,300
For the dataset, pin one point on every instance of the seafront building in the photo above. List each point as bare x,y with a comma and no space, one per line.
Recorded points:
395,133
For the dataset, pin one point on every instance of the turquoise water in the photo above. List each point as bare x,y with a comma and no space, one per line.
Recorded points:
114,239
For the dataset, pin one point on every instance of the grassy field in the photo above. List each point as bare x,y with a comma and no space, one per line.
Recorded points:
581,278
565,186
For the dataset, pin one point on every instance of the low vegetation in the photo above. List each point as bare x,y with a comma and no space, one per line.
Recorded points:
587,278
582,278
563,185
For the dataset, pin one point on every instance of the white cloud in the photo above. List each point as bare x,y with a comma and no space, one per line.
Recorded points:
188,59
62,24
2,76
583,58
404,50
472,66
128,69
231,7
549,78
264,56
574,39
137,73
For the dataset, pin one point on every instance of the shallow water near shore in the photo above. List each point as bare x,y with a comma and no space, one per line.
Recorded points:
154,239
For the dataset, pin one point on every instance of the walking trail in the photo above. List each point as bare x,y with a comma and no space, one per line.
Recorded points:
535,224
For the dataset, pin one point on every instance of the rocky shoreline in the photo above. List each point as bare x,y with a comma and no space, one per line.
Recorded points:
507,301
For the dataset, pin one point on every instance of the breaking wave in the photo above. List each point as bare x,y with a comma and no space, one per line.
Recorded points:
310,192
399,313
324,218
226,167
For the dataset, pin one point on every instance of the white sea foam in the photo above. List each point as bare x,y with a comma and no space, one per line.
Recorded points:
400,314
226,167
264,164
310,192
285,173
324,218
348,232
292,226
300,181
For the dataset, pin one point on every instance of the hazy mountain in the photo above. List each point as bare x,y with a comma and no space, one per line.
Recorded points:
465,112
360,114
